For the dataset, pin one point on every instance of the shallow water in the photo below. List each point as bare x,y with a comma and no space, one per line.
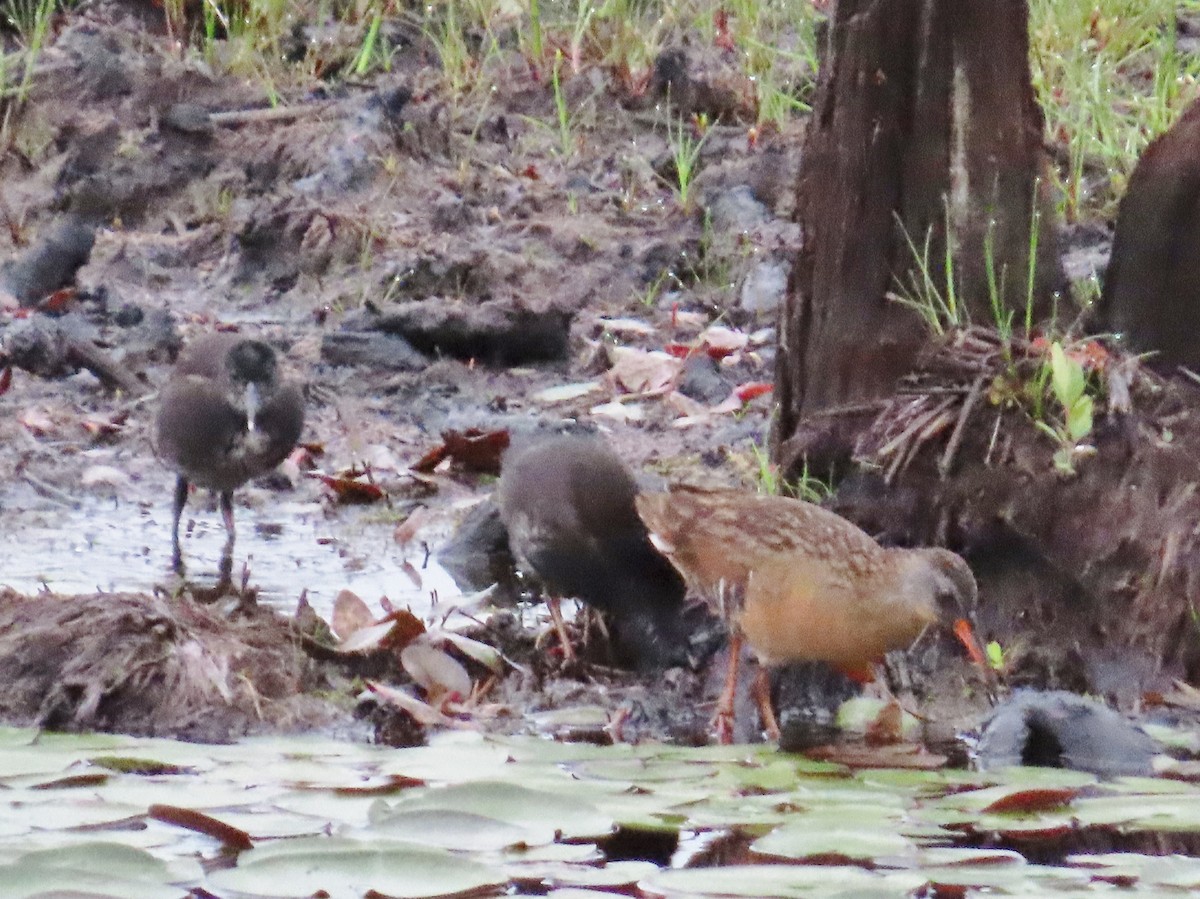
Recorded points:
111,545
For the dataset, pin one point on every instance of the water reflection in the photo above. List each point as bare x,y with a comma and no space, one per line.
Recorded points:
111,545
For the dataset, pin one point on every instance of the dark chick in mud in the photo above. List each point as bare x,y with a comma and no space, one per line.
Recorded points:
568,504
225,416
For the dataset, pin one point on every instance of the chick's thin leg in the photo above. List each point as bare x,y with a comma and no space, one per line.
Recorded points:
181,494
554,604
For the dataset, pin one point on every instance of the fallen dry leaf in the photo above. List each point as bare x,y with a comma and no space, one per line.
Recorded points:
99,425
720,341
437,672
634,326
413,575
640,371
350,615
684,404
36,421
406,627
368,639
421,712
58,301
104,476
473,449
564,392
351,487
752,390
407,530
1034,799
472,649
619,411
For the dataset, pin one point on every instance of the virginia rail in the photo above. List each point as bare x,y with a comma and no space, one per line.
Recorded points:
224,417
800,583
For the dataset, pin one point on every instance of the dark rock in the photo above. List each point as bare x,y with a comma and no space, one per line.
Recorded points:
1153,281
45,346
371,348
1057,729
129,315
51,263
36,345
679,258
736,210
477,553
764,288
431,275
496,333
452,215
104,71
392,103
187,118
154,338
703,381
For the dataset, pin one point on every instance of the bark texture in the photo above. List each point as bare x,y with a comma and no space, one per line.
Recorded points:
1152,288
924,118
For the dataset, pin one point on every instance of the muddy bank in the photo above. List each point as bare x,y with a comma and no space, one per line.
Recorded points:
155,666
1087,577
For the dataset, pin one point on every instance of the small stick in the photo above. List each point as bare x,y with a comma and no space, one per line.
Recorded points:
960,428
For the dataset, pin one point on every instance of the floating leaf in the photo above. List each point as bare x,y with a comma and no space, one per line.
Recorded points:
790,881
862,835
451,829
199,822
340,866
517,804
92,871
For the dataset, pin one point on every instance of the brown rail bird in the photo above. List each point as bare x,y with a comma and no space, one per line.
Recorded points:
800,583
224,417
568,504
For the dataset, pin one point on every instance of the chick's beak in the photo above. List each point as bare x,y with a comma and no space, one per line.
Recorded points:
251,399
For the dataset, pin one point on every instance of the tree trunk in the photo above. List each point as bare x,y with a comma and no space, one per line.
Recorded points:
924,122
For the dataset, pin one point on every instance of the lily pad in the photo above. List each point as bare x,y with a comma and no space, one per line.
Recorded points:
460,830
858,833
94,869
515,804
783,881
306,866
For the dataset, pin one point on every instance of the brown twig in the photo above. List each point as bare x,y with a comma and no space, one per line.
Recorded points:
956,438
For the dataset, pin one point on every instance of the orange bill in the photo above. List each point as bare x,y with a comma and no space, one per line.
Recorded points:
966,636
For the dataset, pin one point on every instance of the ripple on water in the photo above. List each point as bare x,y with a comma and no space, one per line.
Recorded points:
115,545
